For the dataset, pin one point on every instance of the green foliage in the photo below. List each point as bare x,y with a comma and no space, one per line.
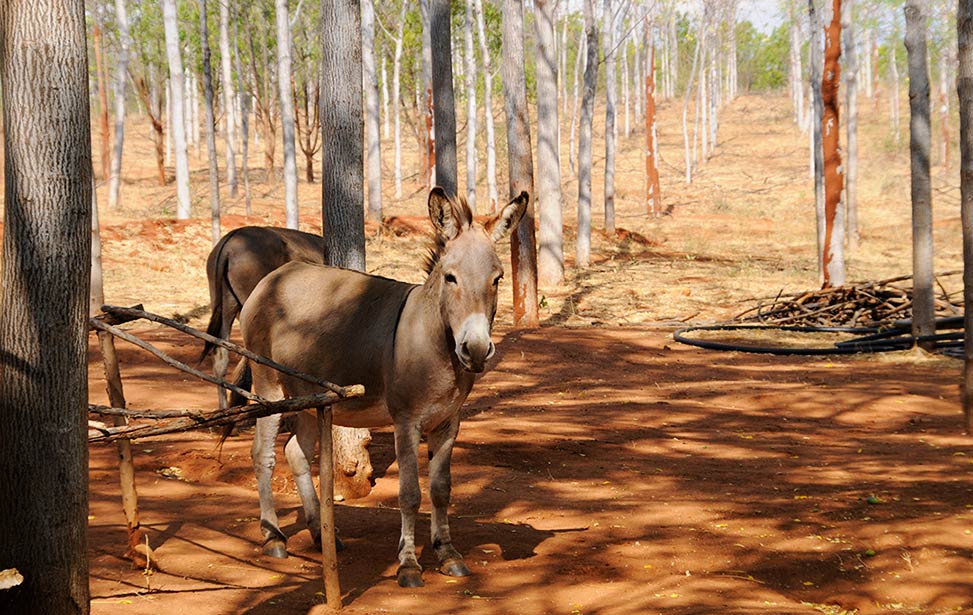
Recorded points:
762,59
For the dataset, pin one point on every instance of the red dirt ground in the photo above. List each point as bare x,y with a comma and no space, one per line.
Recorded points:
602,469
598,471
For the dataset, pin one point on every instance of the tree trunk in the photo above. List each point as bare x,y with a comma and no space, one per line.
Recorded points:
685,113
964,87
444,108
579,67
44,286
229,97
428,101
177,107
923,306
550,259
833,259
121,78
944,110
653,196
372,119
582,248
102,79
523,251
397,97
491,142
627,105
386,125
470,87
851,163
817,151
342,193
611,94
286,113
214,171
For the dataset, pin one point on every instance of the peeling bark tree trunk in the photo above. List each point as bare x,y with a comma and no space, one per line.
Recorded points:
964,87
523,250
582,247
833,259
851,164
214,171
653,196
491,169
342,194
178,123
287,113
44,285
444,103
121,78
372,120
923,300
550,259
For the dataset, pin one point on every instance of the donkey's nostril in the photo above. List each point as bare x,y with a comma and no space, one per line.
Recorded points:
492,350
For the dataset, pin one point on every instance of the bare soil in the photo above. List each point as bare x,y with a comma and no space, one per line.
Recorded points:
602,468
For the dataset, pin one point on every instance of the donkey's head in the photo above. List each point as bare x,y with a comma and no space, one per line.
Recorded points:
466,268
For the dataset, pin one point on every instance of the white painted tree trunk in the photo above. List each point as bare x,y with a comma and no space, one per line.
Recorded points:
550,259
491,142
373,144
286,112
177,109
229,97
470,85
121,79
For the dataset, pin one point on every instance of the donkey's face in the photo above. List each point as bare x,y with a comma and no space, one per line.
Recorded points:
469,272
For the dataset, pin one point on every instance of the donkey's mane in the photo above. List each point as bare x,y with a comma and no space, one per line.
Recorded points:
437,246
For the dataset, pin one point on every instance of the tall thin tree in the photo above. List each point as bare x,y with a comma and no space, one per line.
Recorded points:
582,247
121,79
469,84
611,95
550,258
851,73
833,260
44,285
177,121
491,142
214,170
523,249
964,88
228,95
444,104
920,137
372,119
286,112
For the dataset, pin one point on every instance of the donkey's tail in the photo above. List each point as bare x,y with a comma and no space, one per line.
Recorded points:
216,267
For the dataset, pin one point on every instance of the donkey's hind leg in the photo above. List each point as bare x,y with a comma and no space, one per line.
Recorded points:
300,455
264,459
441,442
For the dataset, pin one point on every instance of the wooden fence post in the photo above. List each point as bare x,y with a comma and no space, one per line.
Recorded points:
329,556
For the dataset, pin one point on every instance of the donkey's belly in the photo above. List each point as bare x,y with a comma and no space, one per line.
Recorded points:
362,412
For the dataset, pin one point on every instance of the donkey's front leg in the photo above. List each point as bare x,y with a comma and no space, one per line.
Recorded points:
264,460
441,442
407,437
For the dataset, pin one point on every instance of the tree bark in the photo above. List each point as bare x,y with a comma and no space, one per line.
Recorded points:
286,113
611,94
583,241
832,259
229,97
653,196
964,88
491,142
372,119
444,107
469,85
523,250
817,151
177,124
550,259
852,78
44,288
342,192
214,171
121,78
923,298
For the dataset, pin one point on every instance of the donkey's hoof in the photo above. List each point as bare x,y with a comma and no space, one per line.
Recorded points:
455,567
275,548
409,577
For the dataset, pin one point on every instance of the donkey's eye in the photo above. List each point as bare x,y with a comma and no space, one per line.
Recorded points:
450,278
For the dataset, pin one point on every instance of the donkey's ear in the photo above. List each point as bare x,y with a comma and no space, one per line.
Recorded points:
509,217
446,214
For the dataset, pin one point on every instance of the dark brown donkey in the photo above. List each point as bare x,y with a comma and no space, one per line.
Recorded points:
237,263
415,348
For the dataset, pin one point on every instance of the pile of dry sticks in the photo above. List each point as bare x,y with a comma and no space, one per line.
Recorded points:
881,304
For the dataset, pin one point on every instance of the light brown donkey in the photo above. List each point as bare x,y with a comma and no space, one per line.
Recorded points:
415,348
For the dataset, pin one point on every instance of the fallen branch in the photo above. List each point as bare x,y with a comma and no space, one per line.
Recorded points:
191,419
